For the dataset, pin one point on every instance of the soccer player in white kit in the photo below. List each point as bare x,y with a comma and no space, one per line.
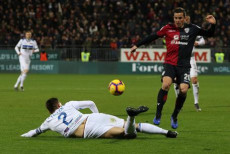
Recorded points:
193,72
69,122
25,48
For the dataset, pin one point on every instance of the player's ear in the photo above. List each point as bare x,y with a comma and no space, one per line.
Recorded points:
59,104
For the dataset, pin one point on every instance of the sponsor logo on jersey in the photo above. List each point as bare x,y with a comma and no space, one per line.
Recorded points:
176,37
184,37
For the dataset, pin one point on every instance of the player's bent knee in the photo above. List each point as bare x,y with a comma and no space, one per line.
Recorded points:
183,90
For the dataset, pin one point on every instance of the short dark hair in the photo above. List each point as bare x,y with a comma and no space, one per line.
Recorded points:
51,104
179,10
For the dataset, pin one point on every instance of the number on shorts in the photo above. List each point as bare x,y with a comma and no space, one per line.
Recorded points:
64,115
186,77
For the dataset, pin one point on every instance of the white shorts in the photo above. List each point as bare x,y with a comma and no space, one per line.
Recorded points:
24,63
193,70
98,123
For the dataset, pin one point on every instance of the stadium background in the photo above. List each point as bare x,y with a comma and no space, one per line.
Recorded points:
64,29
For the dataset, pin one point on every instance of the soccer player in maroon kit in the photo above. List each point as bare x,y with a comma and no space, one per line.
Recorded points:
180,38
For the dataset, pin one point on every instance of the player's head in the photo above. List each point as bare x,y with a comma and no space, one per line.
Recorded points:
179,17
28,34
52,104
187,19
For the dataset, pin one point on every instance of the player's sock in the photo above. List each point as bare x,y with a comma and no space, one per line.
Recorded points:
23,77
195,88
18,81
161,99
151,129
176,89
130,127
178,106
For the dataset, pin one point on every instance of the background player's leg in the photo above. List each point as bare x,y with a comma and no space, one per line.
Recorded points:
17,82
176,89
195,87
23,77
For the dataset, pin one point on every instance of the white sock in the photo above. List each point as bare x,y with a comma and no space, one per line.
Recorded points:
176,89
23,77
195,88
130,127
151,129
18,81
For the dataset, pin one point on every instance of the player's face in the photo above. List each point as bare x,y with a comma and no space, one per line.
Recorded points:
28,35
179,19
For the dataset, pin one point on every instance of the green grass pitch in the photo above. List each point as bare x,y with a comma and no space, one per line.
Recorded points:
202,132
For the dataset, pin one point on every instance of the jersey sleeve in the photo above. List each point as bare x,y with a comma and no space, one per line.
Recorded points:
208,33
152,37
18,46
36,47
84,104
162,31
43,128
148,39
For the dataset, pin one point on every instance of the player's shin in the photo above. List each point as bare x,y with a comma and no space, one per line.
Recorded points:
23,77
130,128
179,104
195,88
161,99
18,81
150,129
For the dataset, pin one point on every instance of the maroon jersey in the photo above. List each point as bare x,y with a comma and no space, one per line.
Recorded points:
179,42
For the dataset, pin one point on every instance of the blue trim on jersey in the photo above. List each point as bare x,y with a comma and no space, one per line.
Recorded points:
30,47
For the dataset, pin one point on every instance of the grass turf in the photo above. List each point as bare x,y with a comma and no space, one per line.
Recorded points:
199,132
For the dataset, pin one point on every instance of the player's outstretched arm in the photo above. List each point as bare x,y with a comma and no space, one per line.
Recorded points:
133,49
146,40
85,104
210,32
30,133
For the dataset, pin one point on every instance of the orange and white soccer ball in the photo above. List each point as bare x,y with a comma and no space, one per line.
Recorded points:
116,87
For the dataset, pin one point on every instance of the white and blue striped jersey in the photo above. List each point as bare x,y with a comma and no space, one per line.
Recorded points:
26,47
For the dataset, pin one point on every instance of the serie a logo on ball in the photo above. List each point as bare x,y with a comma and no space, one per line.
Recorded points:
116,87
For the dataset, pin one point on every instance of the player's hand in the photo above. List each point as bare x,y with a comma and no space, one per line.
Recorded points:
211,19
19,53
29,134
133,49
196,44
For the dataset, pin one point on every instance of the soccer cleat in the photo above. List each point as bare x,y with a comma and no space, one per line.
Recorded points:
197,107
171,134
156,121
174,123
16,88
21,88
135,111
